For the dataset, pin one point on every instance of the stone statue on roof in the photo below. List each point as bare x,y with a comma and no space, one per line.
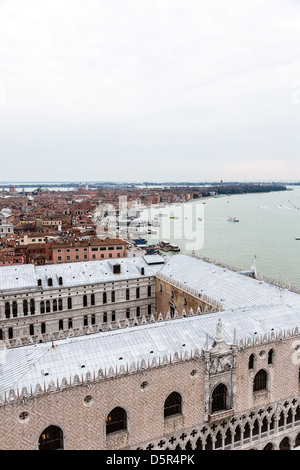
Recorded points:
219,329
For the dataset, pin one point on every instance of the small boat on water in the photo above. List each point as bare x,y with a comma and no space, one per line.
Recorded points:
155,222
297,238
174,247
233,219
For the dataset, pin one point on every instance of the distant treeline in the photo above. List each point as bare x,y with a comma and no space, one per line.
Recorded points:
219,187
217,183
242,188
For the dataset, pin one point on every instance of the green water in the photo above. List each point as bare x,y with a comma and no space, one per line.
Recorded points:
267,227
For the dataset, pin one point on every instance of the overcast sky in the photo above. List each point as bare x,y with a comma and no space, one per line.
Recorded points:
149,90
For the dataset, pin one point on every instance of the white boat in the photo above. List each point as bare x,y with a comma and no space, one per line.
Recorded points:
233,219
174,247
155,222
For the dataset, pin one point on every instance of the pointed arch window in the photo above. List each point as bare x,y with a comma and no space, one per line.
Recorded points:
219,398
173,405
116,420
271,356
260,381
251,362
51,439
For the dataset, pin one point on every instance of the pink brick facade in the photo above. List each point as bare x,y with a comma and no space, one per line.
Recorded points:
85,251
258,419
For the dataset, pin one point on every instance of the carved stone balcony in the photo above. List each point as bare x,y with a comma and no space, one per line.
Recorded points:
220,415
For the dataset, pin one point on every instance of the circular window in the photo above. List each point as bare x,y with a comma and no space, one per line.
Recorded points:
24,417
194,373
144,385
88,400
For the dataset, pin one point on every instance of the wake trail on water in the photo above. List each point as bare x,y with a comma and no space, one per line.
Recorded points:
280,206
266,208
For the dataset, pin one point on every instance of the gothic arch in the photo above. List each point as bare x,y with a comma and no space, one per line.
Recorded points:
199,444
116,420
261,380
208,443
51,438
252,361
271,356
219,440
297,440
269,446
219,398
173,404
285,444
237,433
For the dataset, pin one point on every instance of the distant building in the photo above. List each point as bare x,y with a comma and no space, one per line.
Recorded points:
11,259
6,228
70,251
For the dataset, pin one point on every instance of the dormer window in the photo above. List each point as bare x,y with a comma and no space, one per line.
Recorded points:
116,268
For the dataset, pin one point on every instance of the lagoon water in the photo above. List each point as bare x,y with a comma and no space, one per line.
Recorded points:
267,228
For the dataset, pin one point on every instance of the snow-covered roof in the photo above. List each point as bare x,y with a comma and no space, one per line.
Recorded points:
26,276
42,363
250,307
231,289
